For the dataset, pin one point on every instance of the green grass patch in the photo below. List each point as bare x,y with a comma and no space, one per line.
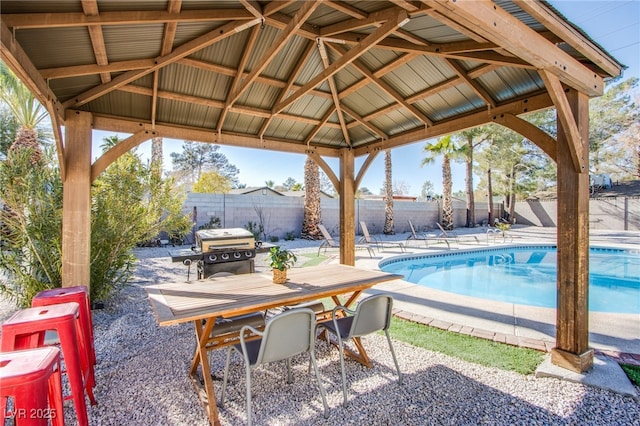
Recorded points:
633,371
468,348
310,259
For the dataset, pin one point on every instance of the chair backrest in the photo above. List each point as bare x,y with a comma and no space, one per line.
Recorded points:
413,230
444,233
365,232
287,334
326,235
372,314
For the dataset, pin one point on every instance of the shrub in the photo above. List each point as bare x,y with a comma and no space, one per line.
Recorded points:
129,204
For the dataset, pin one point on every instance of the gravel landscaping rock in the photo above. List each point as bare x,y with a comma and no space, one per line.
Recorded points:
142,379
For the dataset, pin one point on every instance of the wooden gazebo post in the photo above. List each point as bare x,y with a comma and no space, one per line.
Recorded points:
347,207
76,200
572,328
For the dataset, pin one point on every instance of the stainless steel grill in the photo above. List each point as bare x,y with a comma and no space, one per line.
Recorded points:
220,250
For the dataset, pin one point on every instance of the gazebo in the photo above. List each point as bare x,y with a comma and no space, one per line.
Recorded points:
332,78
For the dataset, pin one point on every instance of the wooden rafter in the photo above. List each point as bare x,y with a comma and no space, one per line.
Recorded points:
564,31
186,49
168,37
62,20
394,21
248,49
283,38
498,26
290,83
90,8
253,7
334,92
477,88
323,122
388,89
367,125
516,107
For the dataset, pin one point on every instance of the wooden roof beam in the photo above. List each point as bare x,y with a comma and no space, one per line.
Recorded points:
568,121
247,51
168,37
571,35
61,20
290,83
334,92
529,131
473,119
495,24
283,38
371,40
388,90
479,90
186,49
90,8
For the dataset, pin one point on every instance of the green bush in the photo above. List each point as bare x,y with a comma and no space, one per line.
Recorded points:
130,203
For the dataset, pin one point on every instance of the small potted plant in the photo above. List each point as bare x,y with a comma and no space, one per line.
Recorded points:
280,260
504,227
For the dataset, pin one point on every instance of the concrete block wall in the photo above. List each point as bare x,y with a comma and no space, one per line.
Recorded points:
611,213
283,215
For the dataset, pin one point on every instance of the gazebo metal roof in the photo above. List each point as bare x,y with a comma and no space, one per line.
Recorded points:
296,75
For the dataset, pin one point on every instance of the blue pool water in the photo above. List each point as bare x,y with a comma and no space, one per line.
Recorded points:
525,275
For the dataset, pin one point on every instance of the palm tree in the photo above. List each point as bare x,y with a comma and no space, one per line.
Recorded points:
446,148
388,194
311,217
27,111
470,139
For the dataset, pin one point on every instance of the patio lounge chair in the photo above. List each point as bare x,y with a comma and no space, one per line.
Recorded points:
329,242
372,314
287,334
452,235
424,237
366,238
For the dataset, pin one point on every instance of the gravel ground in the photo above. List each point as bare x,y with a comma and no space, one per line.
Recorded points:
142,379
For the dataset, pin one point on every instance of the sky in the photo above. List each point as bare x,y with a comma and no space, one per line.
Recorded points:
613,24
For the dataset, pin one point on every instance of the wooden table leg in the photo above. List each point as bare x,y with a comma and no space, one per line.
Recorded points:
207,395
361,355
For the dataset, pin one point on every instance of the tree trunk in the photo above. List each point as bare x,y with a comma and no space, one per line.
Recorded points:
447,206
471,205
388,195
311,217
489,198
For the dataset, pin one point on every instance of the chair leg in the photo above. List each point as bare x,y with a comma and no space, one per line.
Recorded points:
344,375
225,377
248,379
312,360
393,354
289,374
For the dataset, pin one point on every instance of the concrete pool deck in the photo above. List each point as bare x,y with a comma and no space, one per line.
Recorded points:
614,337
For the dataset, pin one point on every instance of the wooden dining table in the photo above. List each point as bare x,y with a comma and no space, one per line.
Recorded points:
203,302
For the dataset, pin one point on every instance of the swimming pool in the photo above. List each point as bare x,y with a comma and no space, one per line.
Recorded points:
525,275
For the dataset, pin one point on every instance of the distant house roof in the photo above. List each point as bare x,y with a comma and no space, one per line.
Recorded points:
395,197
303,193
262,190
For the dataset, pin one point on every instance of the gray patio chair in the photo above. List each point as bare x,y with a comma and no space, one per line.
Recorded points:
329,242
285,335
423,237
380,244
372,314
